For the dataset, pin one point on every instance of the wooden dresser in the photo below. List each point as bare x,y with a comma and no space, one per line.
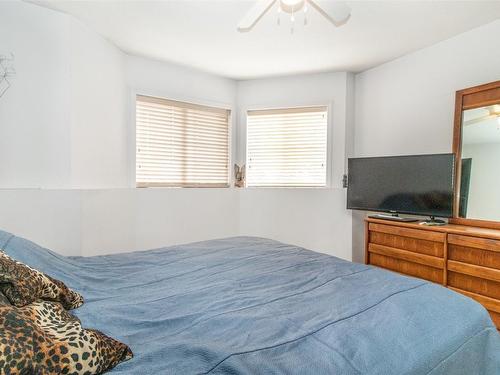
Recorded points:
463,258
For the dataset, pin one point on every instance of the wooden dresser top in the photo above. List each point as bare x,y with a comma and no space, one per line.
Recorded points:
448,228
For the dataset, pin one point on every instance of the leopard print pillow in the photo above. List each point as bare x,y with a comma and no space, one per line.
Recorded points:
44,339
23,285
4,300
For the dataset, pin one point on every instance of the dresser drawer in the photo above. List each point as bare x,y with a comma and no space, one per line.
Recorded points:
474,270
496,318
473,250
474,284
415,240
409,251
490,304
407,268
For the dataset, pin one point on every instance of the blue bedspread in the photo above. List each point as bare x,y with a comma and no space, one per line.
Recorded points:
255,306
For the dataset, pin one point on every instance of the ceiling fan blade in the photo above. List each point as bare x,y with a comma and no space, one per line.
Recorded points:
337,12
254,15
481,119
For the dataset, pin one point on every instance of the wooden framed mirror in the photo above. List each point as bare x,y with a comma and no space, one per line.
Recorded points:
476,144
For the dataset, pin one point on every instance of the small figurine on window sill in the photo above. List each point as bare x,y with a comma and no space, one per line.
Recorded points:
239,176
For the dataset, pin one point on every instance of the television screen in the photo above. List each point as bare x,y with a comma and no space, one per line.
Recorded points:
418,184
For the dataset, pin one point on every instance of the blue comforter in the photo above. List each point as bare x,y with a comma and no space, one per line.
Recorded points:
255,306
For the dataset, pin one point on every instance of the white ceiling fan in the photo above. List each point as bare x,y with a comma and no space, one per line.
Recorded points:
336,12
482,114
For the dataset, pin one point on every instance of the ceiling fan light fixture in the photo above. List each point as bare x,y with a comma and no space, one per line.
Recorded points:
292,3
291,6
336,12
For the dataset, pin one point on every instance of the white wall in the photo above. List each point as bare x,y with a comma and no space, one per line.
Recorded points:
302,90
68,122
406,106
35,136
99,136
484,199
172,81
52,218
134,219
93,222
315,218
62,120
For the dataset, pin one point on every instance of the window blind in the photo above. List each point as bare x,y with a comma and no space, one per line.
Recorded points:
287,147
181,144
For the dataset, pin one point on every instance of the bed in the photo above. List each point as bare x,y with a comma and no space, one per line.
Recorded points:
250,305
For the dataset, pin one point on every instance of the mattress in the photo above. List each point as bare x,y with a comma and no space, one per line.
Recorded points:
250,305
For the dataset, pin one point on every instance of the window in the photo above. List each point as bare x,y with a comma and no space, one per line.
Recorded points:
287,147
181,144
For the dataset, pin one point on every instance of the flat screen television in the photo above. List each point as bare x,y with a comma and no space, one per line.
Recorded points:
416,184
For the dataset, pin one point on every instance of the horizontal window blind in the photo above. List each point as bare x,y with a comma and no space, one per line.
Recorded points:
287,147
181,144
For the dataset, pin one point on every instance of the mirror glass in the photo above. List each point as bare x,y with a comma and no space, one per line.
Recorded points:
480,176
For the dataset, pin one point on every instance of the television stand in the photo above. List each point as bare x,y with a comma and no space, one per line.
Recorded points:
433,221
393,217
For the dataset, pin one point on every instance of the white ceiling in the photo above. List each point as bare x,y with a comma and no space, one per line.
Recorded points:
202,34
